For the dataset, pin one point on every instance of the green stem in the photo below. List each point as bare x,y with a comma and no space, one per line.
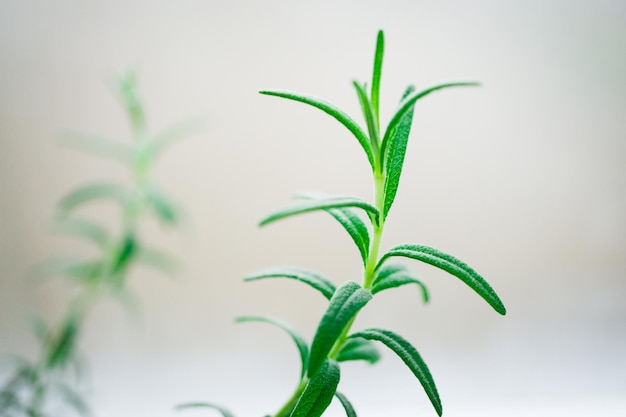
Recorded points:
372,259
368,279
286,409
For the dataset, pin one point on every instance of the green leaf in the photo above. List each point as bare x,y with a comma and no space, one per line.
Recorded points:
392,157
343,307
396,275
96,191
127,88
173,134
85,229
164,209
66,267
408,103
410,357
316,281
370,117
351,222
332,110
78,270
355,227
358,349
222,410
98,145
125,252
157,259
301,344
319,391
346,404
86,271
451,265
322,204
376,74
62,347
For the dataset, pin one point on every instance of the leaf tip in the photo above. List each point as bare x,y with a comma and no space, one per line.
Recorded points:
501,309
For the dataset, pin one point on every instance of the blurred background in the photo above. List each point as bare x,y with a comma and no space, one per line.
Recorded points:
523,178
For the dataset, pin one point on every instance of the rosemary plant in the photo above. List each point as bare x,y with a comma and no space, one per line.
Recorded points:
334,340
50,385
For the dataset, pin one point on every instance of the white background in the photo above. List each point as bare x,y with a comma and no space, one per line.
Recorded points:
523,178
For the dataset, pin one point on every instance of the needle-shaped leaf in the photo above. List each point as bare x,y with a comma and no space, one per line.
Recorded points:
392,156
221,410
319,391
409,356
358,349
313,279
355,227
96,191
125,252
83,228
165,210
396,275
376,74
408,103
451,265
98,145
351,222
62,347
127,89
332,110
346,404
157,259
322,204
173,134
343,307
79,270
370,117
301,344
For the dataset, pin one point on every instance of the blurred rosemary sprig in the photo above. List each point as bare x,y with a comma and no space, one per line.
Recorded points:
51,385
334,340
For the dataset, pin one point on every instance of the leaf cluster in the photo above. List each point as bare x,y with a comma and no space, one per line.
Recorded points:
43,387
334,342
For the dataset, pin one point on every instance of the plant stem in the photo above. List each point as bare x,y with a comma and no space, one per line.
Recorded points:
368,278
286,409
372,259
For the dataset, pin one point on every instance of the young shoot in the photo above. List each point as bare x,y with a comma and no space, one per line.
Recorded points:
335,341
51,384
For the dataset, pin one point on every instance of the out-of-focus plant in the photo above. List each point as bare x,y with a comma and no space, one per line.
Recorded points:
52,384
334,340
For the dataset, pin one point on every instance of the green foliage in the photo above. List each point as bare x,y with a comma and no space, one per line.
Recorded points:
396,275
409,356
346,404
334,342
351,222
358,349
316,281
319,391
47,386
451,265
322,204
301,344
342,308
342,117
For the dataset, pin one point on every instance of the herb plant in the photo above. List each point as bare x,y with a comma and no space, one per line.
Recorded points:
50,385
334,340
